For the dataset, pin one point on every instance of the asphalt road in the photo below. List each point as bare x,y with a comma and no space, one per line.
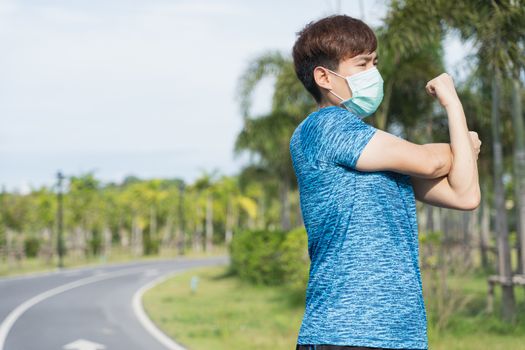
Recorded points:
86,308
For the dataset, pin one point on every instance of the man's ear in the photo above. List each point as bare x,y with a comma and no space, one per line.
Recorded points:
322,78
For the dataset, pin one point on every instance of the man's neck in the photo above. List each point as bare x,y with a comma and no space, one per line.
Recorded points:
325,104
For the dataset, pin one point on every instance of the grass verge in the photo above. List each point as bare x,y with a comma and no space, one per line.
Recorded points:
226,313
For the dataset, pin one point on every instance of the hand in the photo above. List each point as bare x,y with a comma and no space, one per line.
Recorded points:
443,88
476,143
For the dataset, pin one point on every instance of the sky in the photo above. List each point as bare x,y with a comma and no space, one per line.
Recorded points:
144,88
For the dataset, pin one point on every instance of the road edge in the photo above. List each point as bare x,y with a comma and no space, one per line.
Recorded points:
8,322
147,323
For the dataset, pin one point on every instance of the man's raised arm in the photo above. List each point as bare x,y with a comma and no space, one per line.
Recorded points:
459,189
442,174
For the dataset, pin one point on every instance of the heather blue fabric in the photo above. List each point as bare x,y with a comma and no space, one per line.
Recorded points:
364,286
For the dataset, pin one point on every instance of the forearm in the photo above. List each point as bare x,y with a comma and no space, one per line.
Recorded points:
463,174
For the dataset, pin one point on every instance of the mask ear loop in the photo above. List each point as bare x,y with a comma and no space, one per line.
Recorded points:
331,71
339,75
339,97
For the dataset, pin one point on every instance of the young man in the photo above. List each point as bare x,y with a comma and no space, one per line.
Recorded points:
358,186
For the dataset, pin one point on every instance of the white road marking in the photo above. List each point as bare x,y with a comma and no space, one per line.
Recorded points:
143,318
10,320
83,344
151,272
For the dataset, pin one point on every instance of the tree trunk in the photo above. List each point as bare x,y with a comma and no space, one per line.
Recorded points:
9,248
484,232
167,240
152,230
76,243
136,237
180,241
197,235
519,169
229,222
46,249
472,227
209,222
466,230
381,115
86,237
123,237
429,224
107,239
505,270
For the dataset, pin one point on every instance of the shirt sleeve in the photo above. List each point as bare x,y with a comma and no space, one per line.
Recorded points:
346,137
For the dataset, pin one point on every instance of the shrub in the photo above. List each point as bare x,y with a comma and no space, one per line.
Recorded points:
295,259
270,257
31,246
95,244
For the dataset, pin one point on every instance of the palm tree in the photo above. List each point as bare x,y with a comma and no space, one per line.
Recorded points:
519,168
267,137
408,57
497,27
228,195
206,185
81,204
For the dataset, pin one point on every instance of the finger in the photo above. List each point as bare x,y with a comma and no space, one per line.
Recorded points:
430,90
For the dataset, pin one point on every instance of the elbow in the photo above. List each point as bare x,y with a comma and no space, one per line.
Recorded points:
435,168
472,201
435,164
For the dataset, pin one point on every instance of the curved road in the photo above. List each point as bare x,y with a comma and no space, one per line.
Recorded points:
86,308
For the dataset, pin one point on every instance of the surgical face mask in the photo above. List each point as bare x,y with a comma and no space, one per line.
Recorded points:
367,92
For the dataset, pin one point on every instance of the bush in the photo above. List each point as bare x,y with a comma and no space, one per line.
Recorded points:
95,244
270,257
295,259
31,246
151,245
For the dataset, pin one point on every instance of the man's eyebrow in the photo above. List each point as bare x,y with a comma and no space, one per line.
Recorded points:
366,57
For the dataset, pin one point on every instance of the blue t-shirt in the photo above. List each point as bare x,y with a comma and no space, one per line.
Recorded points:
364,286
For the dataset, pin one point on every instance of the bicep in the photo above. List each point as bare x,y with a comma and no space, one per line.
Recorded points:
437,192
386,151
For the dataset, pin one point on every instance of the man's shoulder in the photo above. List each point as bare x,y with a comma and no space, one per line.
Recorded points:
326,117
321,123
330,112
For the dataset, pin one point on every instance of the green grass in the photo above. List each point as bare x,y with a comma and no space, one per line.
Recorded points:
118,255
226,313
471,327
